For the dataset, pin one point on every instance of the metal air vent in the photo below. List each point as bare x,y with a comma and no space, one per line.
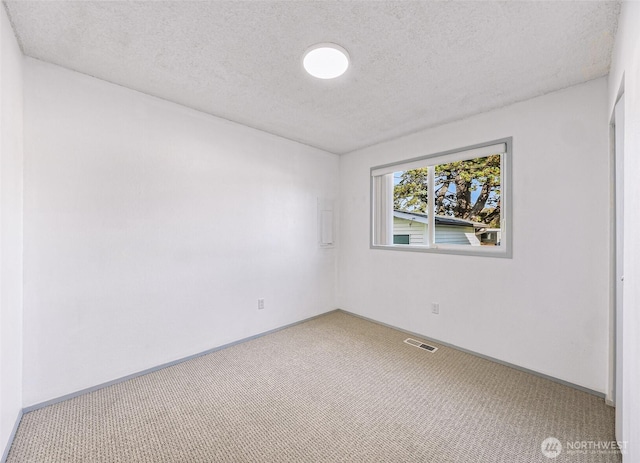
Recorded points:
420,345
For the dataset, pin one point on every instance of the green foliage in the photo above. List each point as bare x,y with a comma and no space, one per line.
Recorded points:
410,194
468,190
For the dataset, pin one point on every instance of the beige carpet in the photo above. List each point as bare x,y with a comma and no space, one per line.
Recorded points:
336,388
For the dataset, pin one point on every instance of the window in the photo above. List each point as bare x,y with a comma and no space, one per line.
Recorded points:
469,211
401,239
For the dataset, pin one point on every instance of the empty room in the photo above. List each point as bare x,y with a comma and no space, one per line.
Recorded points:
319,231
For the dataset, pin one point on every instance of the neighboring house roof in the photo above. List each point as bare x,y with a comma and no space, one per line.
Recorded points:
488,230
440,219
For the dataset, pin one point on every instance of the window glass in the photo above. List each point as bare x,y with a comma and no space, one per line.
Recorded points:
467,200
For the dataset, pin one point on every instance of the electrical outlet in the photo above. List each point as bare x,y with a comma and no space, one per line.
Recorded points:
435,308
260,304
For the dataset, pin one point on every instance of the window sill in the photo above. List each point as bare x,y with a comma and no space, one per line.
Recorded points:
483,251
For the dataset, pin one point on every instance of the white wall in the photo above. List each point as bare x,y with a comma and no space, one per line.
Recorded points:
545,309
625,69
151,230
10,230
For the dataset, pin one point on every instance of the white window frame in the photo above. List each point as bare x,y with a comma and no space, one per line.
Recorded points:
381,197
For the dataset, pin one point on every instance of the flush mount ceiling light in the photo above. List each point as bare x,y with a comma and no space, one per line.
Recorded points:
326,60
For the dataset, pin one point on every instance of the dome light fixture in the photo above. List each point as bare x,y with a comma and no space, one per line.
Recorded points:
326,60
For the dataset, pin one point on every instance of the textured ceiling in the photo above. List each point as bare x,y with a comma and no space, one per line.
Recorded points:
414,64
